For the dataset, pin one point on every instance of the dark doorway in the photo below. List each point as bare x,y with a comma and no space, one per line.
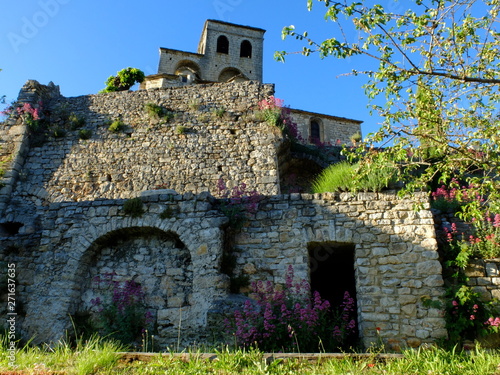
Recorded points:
332,270
315,132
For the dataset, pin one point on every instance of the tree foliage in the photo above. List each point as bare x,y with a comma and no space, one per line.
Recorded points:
437,74
124,80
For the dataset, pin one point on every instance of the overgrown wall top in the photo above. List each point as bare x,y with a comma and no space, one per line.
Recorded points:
212,133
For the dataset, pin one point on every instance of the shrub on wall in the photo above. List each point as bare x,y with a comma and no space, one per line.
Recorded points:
75,121
155,111
124,80
31,115
133,207
84,133
116,126
273,112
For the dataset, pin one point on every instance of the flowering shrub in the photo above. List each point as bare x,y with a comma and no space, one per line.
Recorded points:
120,312
237,203
451,198
288,319
465,314
483,244
493,324
30,115
8,111
276,114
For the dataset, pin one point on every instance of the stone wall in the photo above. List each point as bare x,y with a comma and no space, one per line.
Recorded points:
484,278
395,264
14,140
336,131
66,223
189,152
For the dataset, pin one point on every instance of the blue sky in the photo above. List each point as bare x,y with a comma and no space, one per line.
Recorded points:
78,44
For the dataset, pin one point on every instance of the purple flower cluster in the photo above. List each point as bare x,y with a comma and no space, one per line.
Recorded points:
28,110
288,319
237,202
347,310
282,114
121,311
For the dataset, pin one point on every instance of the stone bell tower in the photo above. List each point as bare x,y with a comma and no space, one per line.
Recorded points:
231,50
226,52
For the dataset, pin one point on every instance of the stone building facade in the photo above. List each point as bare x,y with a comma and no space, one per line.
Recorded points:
64,225
227,53
63,221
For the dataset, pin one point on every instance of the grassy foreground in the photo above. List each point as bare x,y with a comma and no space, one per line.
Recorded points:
96,356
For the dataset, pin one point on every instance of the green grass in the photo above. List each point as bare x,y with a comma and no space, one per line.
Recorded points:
91,356
342,177
97,356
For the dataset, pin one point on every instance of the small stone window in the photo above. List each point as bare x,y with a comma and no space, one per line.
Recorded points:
246,49
315,132
222,44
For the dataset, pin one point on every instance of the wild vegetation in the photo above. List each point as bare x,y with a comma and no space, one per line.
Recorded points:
96,356
434,80
124,80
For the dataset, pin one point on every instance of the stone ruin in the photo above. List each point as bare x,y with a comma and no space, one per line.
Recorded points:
62,217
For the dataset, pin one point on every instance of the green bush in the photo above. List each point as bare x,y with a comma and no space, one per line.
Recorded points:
84,133
75,121
133,207
116,126
181,129
343,177
219,112
194,104
167,213
337,177
124,80
153,110
58,132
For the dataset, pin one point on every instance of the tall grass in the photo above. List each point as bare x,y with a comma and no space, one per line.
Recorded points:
91,356
344,176
96,356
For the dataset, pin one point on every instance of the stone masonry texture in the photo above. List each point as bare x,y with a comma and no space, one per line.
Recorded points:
63,223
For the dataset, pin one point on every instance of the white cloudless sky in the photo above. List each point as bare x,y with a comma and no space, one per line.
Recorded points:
77,44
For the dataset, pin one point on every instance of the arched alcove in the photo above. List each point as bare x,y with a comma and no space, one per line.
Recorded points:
155,260
231,74
246,49
223,44
188,70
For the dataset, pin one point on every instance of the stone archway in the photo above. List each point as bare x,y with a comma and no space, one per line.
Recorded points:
157,262
231,75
